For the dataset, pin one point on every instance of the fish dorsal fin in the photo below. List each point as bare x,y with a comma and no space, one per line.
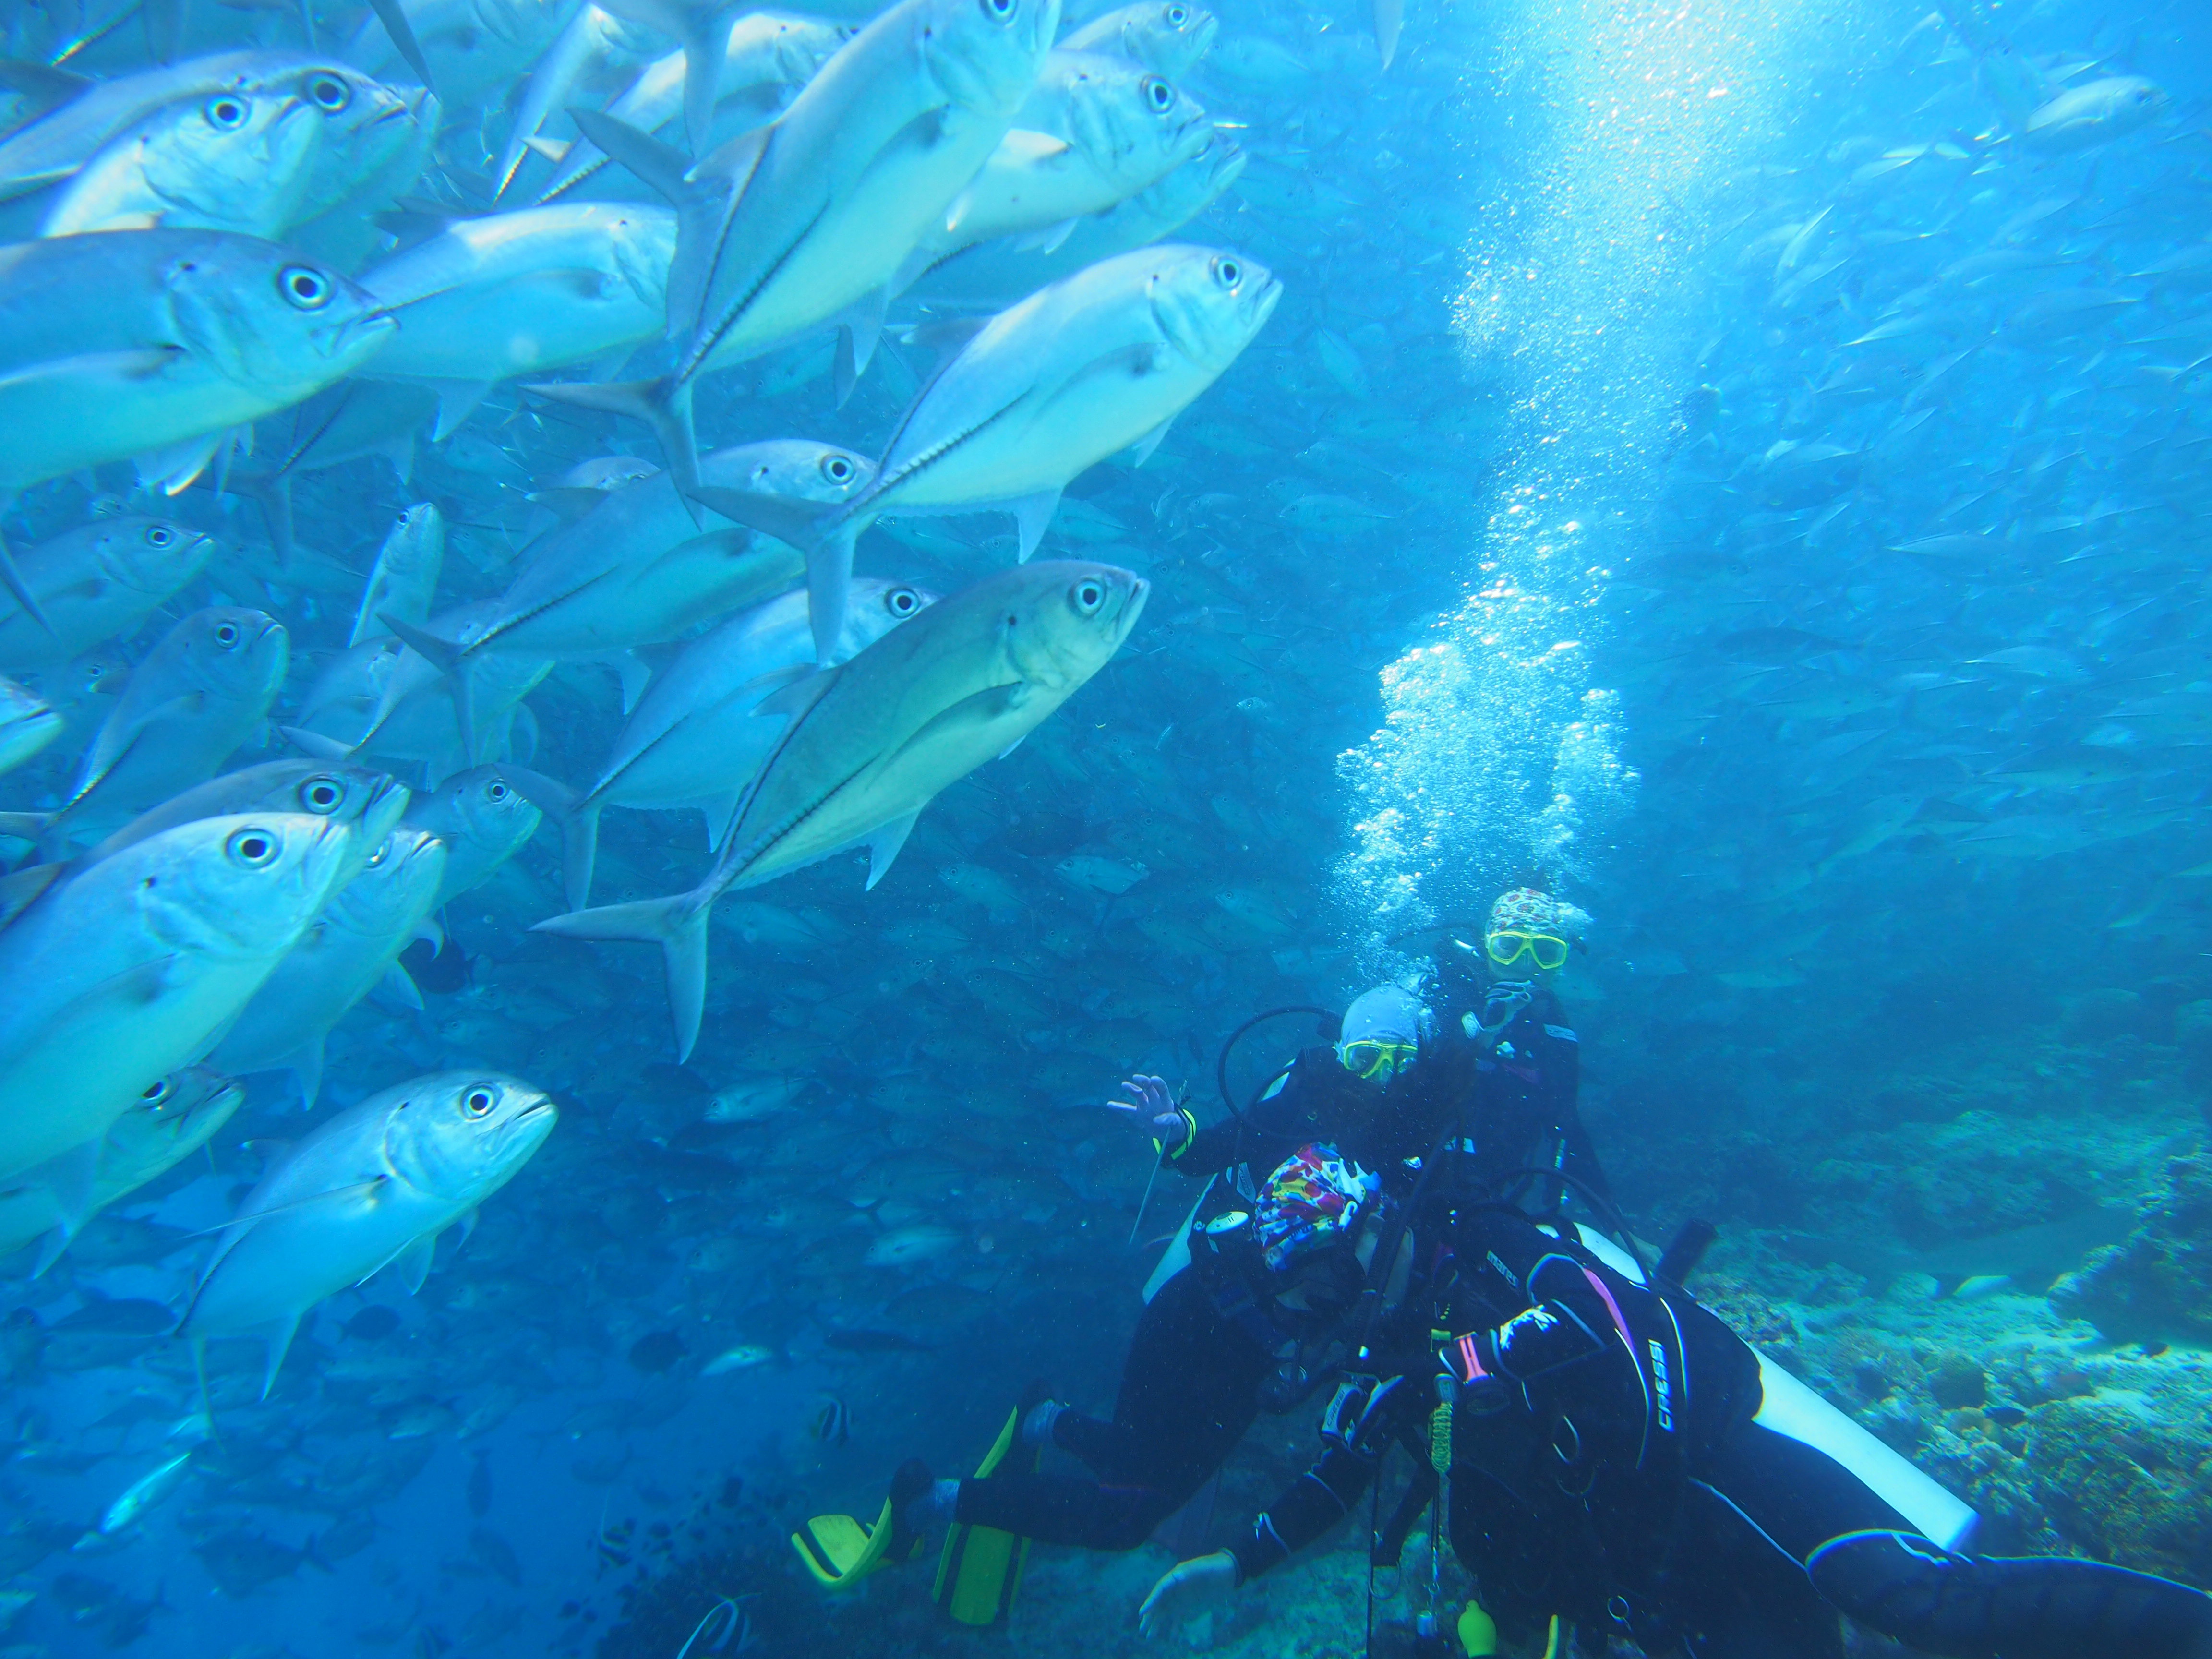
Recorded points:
41,84
18,890
654,163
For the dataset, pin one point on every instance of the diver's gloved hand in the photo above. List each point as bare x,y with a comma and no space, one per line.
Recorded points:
1187,1590
1505,1000
1490,1365
1152,1107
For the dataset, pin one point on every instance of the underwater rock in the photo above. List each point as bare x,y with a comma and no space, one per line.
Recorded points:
2157,1282
2128,1475
1956,1382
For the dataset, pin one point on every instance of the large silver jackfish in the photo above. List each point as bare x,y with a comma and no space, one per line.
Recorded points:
373,1186
1096,364
872,743
698,736
201,692
96,583
129,970
797,224
525,293
1095,132
637,570
153,343
353,945
172,1119
66,138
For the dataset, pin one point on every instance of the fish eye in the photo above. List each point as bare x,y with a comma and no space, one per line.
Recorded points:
159,535
1159,96
322,794
155,1092
304,286
902,601
478,1102
838,468
1227,270
226,112
1000,11
1090,593
495,791
254,849
330,92
226,635
1177,16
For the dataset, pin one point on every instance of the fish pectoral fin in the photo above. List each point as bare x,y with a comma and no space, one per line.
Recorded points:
1047,240
173,468
457,401
634,672
883,846
856,341
19,888
566,504
1032,518
414,1262
314,743
279,1336
307,1070
468,1225
801,694
398,985
1141,451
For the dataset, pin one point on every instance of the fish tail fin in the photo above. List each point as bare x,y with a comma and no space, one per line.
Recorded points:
824,534
677,924
663,404
578,817
451,660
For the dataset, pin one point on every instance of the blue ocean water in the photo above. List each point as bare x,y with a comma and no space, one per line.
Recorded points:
1739,465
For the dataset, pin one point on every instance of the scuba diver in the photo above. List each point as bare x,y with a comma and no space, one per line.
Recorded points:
1253,1306
1609,1456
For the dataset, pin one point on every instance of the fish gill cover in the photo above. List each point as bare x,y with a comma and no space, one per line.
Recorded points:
524,517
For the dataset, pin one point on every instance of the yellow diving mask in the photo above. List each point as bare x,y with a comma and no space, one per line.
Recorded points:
1377,1057
1547,951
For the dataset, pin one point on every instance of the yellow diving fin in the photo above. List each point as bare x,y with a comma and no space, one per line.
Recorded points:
982,1567
841,1550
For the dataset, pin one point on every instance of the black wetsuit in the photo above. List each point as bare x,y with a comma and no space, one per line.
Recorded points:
1607,1468
1203,1356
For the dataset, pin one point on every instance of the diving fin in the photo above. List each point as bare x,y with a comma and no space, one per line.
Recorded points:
982,1567
840,1550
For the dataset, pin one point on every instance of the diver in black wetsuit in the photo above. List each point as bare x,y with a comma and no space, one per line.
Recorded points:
1281,1243
1621,1461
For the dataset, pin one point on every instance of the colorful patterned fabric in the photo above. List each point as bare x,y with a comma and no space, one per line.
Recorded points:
1313,1198
1525,910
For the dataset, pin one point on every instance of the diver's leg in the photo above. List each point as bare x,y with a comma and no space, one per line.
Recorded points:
1868,1560
1983,1607
1189,1389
